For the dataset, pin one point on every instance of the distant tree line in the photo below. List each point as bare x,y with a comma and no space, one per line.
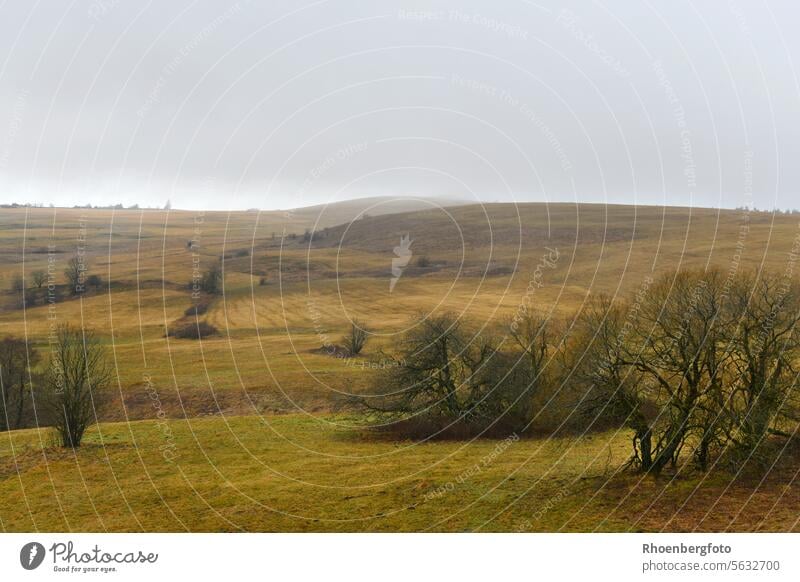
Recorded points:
790,211
118,206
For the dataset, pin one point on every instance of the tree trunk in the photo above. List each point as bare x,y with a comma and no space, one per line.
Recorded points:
667,454
644,436
20,402
702,451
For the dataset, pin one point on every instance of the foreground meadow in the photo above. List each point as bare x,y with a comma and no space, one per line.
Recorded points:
296,473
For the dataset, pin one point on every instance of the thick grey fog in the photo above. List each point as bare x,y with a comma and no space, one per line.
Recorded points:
285,104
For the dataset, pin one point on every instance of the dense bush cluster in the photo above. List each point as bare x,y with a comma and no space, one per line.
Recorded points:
192,330
702,364
699,366
208,282
447,378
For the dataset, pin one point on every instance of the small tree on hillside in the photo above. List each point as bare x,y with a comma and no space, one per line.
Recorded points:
75,272
39,278
538,337
211,279
76,379
355,340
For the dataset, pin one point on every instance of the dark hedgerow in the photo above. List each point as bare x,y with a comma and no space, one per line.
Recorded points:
193,330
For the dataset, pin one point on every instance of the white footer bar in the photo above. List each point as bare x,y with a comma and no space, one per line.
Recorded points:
401,557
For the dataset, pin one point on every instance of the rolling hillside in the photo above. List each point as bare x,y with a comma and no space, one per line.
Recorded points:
284,296
251,412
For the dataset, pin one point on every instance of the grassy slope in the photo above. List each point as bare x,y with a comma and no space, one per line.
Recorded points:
264,362
264,359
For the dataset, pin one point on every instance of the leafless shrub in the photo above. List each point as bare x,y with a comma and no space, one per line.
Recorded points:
356,339
39,278
75,383
75,273
444,375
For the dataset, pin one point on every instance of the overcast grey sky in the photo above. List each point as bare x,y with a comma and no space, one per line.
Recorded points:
289,103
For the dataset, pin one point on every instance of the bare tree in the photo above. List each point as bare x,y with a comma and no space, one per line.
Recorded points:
662,364
675,347
77,377
536,342
765,346
356,339
538,337
39,278
601,357
17,357
75,273
446,373
212,279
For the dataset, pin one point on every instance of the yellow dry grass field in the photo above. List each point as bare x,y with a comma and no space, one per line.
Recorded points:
241,430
